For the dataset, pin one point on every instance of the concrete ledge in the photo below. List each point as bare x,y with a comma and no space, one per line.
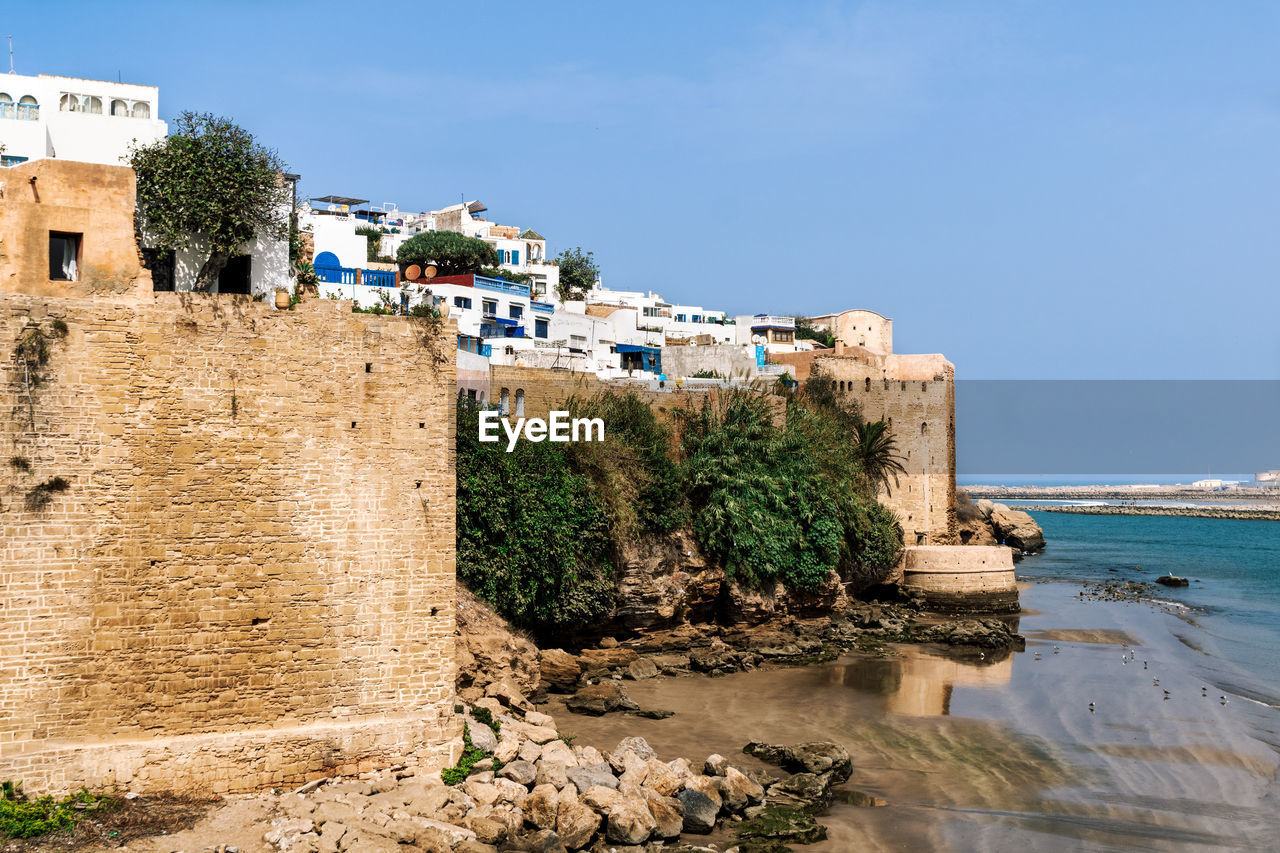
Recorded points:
976,578
242,761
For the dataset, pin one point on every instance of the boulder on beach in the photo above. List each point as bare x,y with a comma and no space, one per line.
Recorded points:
1172,580
1016,529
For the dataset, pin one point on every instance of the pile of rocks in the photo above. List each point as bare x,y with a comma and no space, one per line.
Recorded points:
536,792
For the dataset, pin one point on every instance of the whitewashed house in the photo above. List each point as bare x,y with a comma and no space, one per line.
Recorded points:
92,121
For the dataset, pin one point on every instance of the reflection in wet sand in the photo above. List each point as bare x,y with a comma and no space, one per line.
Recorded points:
975,753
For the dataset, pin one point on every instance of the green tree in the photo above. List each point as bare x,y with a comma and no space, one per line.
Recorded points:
451,252
805,331
509,275
878,455
373,241
578,273
531,538
210,183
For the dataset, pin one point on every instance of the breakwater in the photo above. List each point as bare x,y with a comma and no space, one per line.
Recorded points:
1184,511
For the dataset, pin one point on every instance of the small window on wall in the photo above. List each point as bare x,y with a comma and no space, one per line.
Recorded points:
519,402
504,401
93,105
515,256
64,256
142,110
516,311
119,107
539,328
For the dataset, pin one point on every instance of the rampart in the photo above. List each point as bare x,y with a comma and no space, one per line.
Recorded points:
915,394
226,542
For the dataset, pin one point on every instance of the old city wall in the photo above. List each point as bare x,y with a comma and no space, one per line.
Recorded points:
916,395
226,542
545,390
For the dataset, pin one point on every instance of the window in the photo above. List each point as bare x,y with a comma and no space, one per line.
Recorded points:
462,302
93,105
6,106
782,337
515,256
7,160
502,257
519,402
504,401
471,393
64,253
119,108
490,306
516,311
142,110
69,103
539,328
868,386
28,108
651,312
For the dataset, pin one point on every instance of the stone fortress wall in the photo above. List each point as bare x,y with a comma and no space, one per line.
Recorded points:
916,395
226,531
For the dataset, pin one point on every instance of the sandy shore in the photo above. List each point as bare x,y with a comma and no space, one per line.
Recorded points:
972,753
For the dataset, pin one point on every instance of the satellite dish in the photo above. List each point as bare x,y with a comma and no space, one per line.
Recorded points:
429,271
413,272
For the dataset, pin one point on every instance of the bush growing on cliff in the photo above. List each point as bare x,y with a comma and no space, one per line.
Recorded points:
532,541
785,504
758,506
634,475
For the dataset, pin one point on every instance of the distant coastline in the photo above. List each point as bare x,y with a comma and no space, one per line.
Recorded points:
1248,514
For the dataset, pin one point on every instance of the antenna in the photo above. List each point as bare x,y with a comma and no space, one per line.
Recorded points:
11,71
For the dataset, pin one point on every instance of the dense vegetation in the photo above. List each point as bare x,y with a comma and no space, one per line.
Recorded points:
452,253
26,818
805,331
769,499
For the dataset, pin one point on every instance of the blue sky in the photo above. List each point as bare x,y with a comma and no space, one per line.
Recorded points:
1036,189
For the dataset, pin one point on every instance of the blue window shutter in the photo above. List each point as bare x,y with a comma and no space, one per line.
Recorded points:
515,257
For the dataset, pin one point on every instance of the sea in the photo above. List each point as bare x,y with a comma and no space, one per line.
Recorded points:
1232,605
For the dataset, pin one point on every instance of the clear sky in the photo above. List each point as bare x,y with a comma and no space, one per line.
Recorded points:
1035,189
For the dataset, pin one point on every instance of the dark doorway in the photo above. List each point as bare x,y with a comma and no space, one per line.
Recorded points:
234,277
159,262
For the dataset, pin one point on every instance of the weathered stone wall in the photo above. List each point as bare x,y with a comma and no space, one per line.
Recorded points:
545,390
249,577
94,201
962,576
916,395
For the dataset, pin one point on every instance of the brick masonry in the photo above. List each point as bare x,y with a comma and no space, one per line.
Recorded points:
250,578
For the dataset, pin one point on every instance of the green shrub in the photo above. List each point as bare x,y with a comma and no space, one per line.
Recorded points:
632,471
485,716
470,755
532,541
23,818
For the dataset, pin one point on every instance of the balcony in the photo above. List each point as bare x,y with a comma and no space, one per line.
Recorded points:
762,321
544,307
500,285
355,275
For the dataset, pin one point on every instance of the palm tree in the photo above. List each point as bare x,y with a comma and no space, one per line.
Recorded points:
878,454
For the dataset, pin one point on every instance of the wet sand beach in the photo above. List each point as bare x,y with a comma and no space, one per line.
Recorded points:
970,753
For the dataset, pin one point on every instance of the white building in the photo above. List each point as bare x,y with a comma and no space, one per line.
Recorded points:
93,121
776,334
521,251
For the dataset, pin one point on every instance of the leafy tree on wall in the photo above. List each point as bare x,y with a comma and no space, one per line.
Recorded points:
210,183
805,331
578,273
451,252
373,241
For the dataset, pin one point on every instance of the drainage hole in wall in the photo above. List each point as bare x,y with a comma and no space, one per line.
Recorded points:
261,621
368,367
353,424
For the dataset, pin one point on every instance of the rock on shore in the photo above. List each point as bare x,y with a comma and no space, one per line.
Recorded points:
1012,527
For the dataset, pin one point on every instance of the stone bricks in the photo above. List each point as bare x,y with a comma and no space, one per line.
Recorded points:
249,580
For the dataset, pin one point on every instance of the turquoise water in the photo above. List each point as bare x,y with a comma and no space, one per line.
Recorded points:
1232,614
